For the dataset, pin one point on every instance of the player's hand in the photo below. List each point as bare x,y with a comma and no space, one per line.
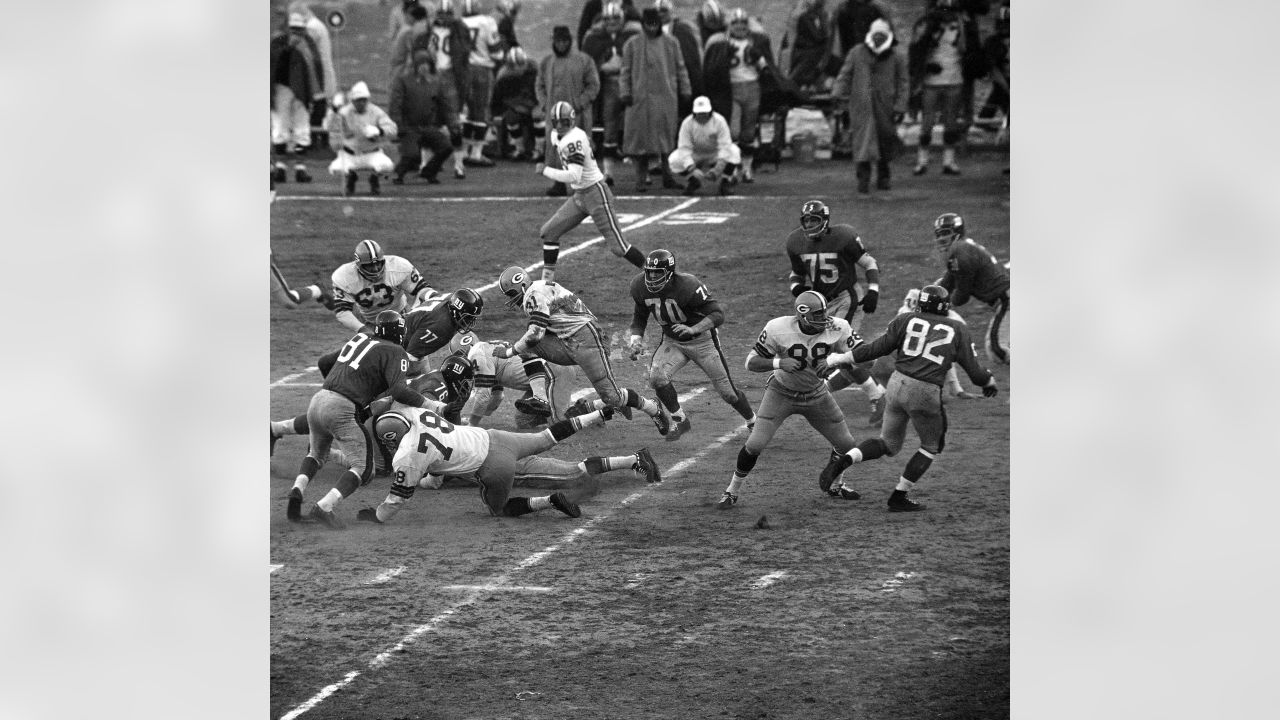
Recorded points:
503,351
990,389
789,364
870,301
684,332
538,168
367,515
635,349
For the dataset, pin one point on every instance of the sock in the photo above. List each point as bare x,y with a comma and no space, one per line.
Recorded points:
307,469
855,455
922,155
310,292
746,461
873,389
949,156
536,371
328,501
642,403
301,483
667,395
634,256
425,157
747,161
550,253
280,428
743,406
871,449
301,426
916,467
539,503
597,465
516,507
904,485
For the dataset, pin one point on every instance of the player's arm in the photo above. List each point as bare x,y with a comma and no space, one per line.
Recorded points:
639,321
883,345
967,356
416,287
868,265
713,317
799,275
572,171
404,483
763,359
395,372
344,310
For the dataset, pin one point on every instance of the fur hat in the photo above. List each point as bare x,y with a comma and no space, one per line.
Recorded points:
359,90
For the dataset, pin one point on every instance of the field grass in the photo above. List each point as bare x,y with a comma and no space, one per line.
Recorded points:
654,603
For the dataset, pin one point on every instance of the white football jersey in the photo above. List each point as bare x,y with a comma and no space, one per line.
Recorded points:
782,337
497,372
484,38
575,148
397,287
555,307
436,446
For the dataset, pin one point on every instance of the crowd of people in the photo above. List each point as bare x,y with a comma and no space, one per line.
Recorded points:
679,98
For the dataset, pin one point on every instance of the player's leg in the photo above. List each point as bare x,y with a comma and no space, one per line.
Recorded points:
824,415
497,473
667,360
774,408
930,98
599,202
892,433
749,96
566,218
296,425
535,372
952,129
356,443
710,358
592,355
437,141
922,402
317,450
997,350
559,389
843,306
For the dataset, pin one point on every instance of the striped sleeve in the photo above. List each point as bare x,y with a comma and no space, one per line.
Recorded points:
539,318
575,159
763,351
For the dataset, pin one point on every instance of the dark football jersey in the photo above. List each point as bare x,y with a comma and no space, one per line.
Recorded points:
927,346
973,271
828,264
366,367
682,301
427,328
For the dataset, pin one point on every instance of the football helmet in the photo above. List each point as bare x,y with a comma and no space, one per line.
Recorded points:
935,300
390,428
446,12
459,377
513,282
562,117
815,216
465,306
811,311
948,228
612,10
389,326
664,10
739,23
659,268
370,262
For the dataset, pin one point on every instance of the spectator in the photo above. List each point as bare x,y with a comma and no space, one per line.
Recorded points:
705,150
935,58
690,47
996,48
402,45
852,21
505,14
652,80
710,21
319,34
420,107
603,44
357,132
449,43
874,83
809,37
733,66
592,11
400,16
566,75
486,53
515,99
296,87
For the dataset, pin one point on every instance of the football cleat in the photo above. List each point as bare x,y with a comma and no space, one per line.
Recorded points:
727,500
662,420
899,502
646,466
835,466
678,429
844,493
877,411
535,406
691,187
328,517
659,268
293,510
562,503
580,407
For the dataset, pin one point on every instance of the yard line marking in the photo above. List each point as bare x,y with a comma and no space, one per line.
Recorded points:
769,579
386,575
896,581
567,251
274,568
385,656
506,588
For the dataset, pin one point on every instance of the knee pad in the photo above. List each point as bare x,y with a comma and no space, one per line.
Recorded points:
658,378
951,136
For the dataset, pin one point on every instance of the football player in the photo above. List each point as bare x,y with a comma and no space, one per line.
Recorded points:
591,194
563,330
449,42
825,258
373,282
292,298
928,343
493,375
972,271
368,366
794,349
486,53
688,317
435,446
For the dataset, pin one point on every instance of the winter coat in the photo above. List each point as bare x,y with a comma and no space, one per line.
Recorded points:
573,79
295,63
875,87
654,77
418,103
515,90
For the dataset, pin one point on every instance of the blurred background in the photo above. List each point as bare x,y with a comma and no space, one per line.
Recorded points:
1145,177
